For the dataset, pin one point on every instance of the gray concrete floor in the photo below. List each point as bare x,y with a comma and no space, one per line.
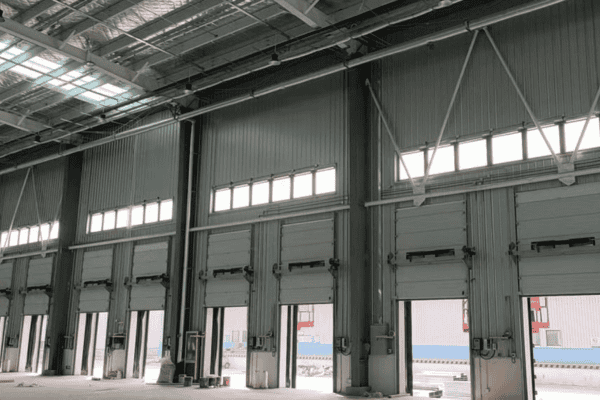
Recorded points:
76,387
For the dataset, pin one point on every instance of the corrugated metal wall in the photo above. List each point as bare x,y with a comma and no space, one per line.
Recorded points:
48,187
553,54
128,172
295,128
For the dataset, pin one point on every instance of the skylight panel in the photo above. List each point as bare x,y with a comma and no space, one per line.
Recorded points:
109,90
56,82
84,80
25,71
41,65
92,96
68,87
11,53
71,75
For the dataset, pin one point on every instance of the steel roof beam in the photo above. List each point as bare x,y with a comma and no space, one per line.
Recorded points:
204,38
158,24
116,71
304,11
21,122
87,24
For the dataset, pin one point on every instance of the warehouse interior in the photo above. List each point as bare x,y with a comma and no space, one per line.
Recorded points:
300,198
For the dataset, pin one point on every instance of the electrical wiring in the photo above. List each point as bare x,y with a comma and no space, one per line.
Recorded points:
488,358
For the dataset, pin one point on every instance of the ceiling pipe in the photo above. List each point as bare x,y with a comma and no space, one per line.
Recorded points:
392,50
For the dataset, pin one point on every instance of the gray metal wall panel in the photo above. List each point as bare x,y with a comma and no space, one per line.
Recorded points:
97,265
36,304
150,259
307,241
127,172
40,271
157,155
229,250
295,128
150,297
227,292
48,187
560,275
95,299
6,271
552,53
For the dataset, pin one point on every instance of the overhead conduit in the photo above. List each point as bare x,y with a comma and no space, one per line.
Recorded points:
392,50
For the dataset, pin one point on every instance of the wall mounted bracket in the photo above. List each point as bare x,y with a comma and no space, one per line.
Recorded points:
248,272
277,271
468,253
334,265
391,261
513,252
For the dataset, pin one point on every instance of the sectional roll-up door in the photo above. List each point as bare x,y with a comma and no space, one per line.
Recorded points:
429,242
304,245
149,260
97,267
227,252
6,269
39,274
559,240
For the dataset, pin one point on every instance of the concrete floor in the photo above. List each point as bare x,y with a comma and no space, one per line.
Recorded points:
71,387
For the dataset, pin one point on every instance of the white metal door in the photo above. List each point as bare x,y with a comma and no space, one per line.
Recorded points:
149,260
227,251
302,243
561,214
6,269
39,274
97,266
420,233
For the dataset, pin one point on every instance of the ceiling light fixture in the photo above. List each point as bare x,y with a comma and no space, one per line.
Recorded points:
37,139
2,16
274,60
188,88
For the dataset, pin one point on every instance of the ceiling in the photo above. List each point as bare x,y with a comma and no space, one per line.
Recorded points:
72,71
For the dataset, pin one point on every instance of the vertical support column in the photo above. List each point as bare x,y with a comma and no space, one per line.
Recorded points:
177,319
358,305
494,304
62,278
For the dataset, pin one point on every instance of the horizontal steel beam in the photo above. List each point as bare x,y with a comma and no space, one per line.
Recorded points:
272,218
22,122
30,254
123,240
194,42
104,15
158,24
114,70
489,186
302,10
